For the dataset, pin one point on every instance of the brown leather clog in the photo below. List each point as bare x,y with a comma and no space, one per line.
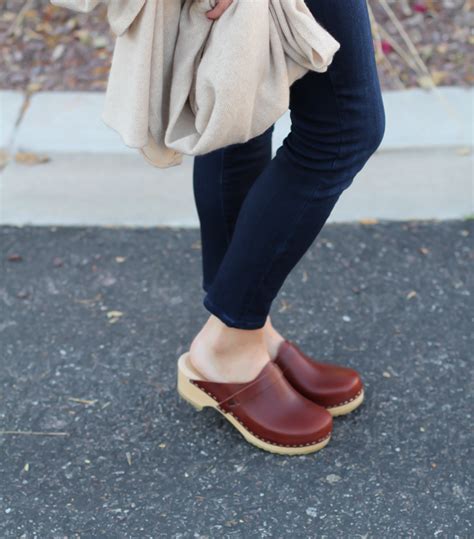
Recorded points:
267,411
338,389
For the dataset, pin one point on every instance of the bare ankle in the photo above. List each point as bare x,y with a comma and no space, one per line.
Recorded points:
226,354
273,338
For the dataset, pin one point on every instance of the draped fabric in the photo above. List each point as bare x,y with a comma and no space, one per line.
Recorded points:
183,84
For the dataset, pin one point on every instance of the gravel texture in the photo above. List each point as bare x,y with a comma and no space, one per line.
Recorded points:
50,48
93,320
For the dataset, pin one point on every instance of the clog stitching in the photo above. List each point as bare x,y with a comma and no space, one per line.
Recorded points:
345,402
253,433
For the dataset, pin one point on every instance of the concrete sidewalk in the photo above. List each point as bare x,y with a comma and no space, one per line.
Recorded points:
423,170
93,320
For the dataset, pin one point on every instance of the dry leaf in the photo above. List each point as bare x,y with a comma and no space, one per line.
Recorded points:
30,158
426,81
439,77
114,314
34,87
368,221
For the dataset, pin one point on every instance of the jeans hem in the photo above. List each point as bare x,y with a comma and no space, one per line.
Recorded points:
228,320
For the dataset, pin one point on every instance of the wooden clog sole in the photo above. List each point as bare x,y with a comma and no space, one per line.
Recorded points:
347,407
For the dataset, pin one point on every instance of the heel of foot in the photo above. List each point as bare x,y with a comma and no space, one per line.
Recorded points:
188,391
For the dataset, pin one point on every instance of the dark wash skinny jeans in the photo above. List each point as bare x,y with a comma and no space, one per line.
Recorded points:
259,215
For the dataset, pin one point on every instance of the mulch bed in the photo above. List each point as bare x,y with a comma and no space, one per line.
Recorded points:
44,47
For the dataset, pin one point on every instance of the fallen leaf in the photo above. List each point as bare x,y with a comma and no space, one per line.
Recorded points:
114,314
34,87
442,48
426,81
439,77
30,158
420,7
386,46
368,221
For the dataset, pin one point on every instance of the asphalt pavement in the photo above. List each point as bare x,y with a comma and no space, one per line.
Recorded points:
95,443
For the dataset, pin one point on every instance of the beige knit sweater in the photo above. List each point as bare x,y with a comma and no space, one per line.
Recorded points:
183,84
